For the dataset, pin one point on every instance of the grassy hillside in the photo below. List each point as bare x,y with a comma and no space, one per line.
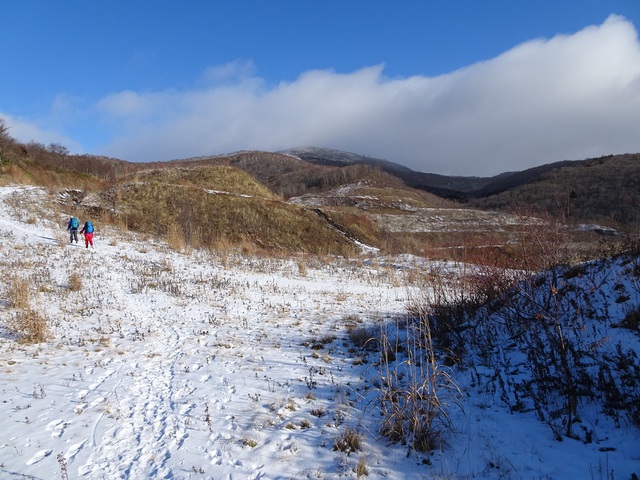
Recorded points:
40,167
185,201
222,179
216,206
286,175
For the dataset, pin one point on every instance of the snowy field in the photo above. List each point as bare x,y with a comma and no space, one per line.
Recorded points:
206,366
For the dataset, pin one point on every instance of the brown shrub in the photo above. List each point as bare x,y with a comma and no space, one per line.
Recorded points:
29,326
75,281
19,293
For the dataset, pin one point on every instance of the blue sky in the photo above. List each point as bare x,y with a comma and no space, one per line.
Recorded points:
455,87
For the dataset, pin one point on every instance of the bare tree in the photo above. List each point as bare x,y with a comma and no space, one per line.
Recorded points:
58,149
5,139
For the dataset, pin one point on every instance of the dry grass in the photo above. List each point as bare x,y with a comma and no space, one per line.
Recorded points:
249,222
215,179
317,412
249,442
361,469
348,441
41,167
29,326
361,337
302,267
175,238
416,390
75,281
19,292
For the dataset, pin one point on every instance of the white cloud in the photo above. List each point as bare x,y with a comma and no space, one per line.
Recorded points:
569,97
236,70
26,131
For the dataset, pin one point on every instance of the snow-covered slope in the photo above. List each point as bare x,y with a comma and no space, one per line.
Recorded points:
203,365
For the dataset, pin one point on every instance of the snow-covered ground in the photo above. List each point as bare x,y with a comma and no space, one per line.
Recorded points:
198,365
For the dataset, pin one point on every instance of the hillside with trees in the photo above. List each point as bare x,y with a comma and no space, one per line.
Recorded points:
323,200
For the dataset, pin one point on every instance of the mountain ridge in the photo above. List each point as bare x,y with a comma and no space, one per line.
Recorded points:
451,186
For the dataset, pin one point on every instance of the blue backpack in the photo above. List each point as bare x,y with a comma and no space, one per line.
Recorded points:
88,227
74,222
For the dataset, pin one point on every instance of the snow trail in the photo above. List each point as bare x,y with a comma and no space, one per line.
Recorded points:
202,366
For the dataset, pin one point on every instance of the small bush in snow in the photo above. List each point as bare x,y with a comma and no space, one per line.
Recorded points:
348,441
29,326
19,294
361,337
75,281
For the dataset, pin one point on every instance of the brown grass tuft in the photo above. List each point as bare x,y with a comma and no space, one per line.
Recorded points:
348,441
19,293
75,281
175,238
29,326
361,469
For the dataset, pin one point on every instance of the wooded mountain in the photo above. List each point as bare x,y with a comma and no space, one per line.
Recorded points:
598,190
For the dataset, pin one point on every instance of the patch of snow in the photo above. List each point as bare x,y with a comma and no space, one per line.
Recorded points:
198,366
221,192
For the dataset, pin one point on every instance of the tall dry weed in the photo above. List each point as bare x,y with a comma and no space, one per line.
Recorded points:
302,267
416,391
19,292
75,281
175,238
29,326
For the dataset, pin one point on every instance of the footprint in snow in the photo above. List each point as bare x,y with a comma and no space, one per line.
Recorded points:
98,401
216,457
56,428
73,450
179,439
39,456
101,379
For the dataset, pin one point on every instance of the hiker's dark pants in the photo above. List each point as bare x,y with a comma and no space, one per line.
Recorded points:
73,235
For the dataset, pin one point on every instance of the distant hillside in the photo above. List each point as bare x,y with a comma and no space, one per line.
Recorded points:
442,185
603,190
291,176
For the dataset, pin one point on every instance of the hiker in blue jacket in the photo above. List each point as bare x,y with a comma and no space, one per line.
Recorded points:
72,228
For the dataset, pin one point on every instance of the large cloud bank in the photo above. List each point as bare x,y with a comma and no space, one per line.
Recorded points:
568,97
